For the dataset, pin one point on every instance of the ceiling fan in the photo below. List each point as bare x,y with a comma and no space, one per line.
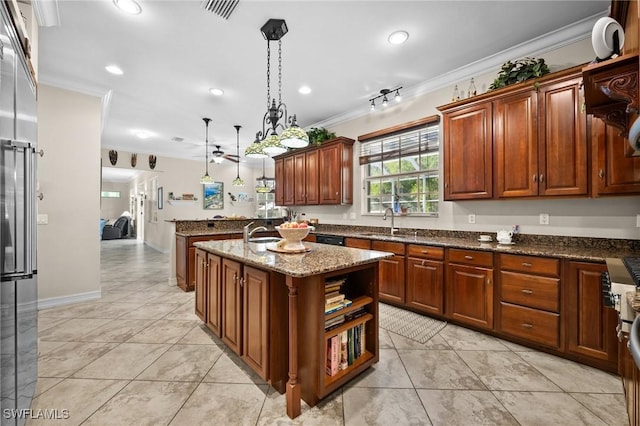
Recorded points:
219,155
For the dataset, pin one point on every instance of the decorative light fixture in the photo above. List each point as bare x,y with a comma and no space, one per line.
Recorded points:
383,94
255,150
265,184
272,145
237,181
274,30
128,6
398,37
206,178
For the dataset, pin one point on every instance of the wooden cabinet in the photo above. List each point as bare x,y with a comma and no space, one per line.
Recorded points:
615,169
357,243
468,152
469,287
255,319
425,278
201,284
214,294
231,274
529,294
525,140
300,171
630,373
391,280
591,327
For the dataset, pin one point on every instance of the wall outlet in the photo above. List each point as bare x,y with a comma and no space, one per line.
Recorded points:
544,218
472,218
43,219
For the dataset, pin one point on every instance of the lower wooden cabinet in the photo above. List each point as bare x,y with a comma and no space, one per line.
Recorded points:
231,274
200,266
630,379
391,281
469,287
425,278
255,319
590,325
214,294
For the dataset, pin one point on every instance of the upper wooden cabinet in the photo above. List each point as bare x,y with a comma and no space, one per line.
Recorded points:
316,174
526,140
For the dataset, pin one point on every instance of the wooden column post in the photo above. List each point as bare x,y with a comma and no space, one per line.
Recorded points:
293,387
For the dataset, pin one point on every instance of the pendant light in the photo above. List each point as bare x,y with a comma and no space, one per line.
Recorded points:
206,178
237,181
255,150
265,184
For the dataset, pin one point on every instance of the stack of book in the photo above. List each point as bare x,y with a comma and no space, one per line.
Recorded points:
344,348
334,300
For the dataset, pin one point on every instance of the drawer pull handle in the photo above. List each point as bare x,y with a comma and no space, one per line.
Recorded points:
527,325
468,257
527,264
527,291
425,252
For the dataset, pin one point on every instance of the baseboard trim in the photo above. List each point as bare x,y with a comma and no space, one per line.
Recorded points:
156,248
53,302
172,281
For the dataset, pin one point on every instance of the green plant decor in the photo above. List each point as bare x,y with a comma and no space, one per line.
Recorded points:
319,135
519,71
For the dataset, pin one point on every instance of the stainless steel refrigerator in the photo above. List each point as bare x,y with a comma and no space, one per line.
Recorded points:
18,291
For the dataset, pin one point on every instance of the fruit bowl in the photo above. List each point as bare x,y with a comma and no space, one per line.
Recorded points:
293,236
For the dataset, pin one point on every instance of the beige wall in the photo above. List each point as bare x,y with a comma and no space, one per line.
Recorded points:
69,178
112,208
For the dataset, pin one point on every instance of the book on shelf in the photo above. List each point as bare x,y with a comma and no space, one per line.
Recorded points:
332,289
333,297
333,322
362,338
333,307
355,314
333,355
350,346
344,362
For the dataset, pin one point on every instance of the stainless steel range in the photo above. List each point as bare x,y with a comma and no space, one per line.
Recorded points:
622,277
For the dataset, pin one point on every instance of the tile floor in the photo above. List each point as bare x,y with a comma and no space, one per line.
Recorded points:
139,356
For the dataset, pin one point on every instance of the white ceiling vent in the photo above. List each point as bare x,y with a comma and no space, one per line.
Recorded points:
222,8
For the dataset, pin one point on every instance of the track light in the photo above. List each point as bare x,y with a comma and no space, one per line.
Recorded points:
385,100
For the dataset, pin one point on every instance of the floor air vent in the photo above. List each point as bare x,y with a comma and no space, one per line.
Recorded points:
222,8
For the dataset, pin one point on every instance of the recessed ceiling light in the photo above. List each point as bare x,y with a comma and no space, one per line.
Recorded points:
398,37
114,69
305,90
142,134
216,92
128,6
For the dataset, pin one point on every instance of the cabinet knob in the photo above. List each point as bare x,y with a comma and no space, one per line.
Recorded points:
468,257
527,291
488,281
235,276
241,282
535,178
541,178
526,264
527,325
601,173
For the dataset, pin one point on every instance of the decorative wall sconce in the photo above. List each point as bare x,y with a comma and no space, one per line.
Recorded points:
113,157
385,94
152,162
134,160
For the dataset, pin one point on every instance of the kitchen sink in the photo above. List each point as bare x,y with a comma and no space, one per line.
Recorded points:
264,240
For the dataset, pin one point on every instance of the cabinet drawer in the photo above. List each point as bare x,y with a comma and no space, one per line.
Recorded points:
530,264
531,290
357,243
395,248
427,252
531,324
471,257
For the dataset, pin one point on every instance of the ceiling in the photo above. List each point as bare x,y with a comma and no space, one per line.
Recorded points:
175,51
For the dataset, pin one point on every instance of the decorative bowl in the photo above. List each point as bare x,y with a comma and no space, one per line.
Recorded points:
294,236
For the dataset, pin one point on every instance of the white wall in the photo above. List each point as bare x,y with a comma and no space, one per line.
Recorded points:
112,208
602,217
69,178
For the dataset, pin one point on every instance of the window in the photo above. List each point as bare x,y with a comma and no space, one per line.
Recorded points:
110,194
400,168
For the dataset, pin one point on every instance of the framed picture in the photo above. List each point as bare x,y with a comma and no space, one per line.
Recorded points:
160,196
213,196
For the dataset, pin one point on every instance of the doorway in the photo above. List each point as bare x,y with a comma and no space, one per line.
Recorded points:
139,214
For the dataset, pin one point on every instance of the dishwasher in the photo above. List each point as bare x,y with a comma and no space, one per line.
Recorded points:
334,240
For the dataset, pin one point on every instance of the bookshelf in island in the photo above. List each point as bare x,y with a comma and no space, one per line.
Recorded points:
285,312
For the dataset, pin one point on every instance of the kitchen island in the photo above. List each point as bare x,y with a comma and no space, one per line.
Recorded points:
269,308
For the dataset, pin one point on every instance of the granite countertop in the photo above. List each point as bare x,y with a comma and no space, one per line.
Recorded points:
320,259
197,233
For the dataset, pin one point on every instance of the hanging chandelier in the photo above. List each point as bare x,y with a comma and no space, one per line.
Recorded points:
237,181
268,142
206,178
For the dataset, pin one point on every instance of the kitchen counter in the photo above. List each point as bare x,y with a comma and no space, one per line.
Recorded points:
321,258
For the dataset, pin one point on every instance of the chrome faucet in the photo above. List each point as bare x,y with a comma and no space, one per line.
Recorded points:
393,228
248,233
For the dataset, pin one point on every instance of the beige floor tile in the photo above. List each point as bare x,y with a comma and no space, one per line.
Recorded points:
116,331
45,323
388,372
439,369
45,347
78,397
384,339
200,335
546,408
571,376
125,361
45,383
71,330
401,342
164,331
506,371
65,360
384,407
109,310
143,403
186,312
230,369
328,412
462,339
151,311
233,404
116,296
183,363
611,408
464,407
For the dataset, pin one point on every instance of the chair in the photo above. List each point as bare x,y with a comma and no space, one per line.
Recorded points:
120,229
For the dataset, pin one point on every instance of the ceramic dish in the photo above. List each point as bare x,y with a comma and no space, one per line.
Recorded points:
602,37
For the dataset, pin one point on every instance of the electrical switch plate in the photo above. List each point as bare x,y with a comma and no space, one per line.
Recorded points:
472,218
544,218
43,219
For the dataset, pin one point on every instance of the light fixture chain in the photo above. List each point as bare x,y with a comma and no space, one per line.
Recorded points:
279,71
268,74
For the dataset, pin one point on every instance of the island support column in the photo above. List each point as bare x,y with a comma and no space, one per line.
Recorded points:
293,387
